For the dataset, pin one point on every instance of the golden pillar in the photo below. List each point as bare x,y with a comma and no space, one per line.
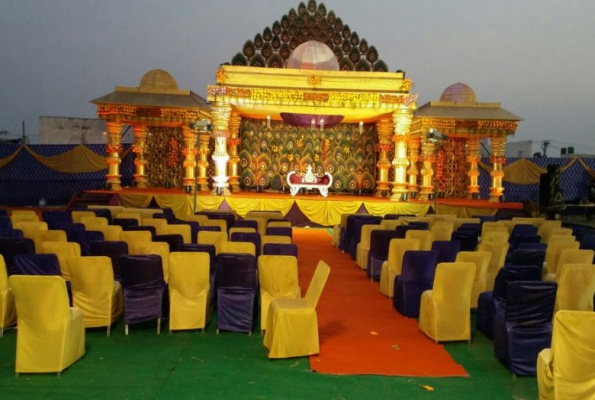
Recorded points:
113,149
498,159
203,162
140,142
385,131
402,122
232,146
189,136
221,114
473,158
428,155
414,147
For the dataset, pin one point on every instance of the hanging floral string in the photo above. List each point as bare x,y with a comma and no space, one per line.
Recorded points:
173,153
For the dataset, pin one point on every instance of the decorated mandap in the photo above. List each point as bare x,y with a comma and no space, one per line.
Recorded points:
307,92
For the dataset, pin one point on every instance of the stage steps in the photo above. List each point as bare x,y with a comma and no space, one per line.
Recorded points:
84,199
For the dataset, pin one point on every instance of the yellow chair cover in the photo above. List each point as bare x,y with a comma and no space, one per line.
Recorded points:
90,221
189,299
442,230
278,278
363,247
51,335
211,237
157,223
495,235
48,236
279,224
457,222
238,248
487,225
292,325
262,224
537,221
393,265
425,238
221,223
24,212
94,290
391,223
552,255
572,256
132,215
445,311
29,227
77,216
182,229
481,259
576,285
135,236
497,260
546,227
241,229
8,315
16,218
201,219
142,212
159,248
273,239
567,370
62,250
110,232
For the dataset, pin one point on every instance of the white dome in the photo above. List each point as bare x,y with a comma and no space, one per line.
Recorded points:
313,55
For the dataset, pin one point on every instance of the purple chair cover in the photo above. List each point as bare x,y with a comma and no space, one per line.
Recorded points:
169,218
525,326
208,228
143,287
85,238
379,244
3,213
125,223
10,247
211,251
521,239
533,246
5,223
419,225
113,250
228,217
522,230
151,229
353,231
468,239
402,230
489,303
10,233
280,249
527,257
417,276
470,228
242,223
280,231
55,218
37,264
588,242
69,227
174,241
447,250
252,237
237,285
194,227
397,216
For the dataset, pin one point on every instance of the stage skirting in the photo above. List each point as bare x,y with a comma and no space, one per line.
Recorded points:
317,209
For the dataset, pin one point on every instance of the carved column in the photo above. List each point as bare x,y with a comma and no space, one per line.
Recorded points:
414,147
189,136
402,121
428,155
140,143
497,158
221,114
473,158
385,132
203,162
113,149
234,158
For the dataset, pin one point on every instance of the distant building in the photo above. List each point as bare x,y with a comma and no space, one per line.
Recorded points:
524,149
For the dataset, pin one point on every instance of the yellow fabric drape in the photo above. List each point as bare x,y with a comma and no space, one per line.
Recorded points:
523,172
207,203
78,160
396,208
465,212
243,206
135,200
7,160
327,213
181,205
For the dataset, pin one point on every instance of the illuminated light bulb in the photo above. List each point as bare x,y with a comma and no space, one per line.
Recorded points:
321,124
361,127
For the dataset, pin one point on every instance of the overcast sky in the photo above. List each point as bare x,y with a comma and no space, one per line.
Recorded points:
535,57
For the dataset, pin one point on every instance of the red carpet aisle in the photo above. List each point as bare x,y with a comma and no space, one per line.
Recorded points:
360,332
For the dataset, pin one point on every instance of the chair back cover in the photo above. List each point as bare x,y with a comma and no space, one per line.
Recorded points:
251,237
10,247
135,236
380,241
157,223
419,266
425,238
317,284
468,239
48,236
236,270
125,223
8,315
143,287
94,290
29,227
78,215
85,238
55,217
279,231
394,263
567,370
238,247
113,250
179,229
525,256
530,303
442,230
496,235
244,223
574,256
51,335
278,278
212,237
481,259
130,215
10,233
157,248
63,250
37,264
447,249
174,241
497,260
576,287
522,230
90,221
280,249
189,288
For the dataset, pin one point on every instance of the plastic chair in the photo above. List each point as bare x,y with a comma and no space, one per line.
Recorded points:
189,287
567,369
8,315
417,276
445,313
394,263
94,291
292,326
144,289
278,278
525,326
51,334
481,259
